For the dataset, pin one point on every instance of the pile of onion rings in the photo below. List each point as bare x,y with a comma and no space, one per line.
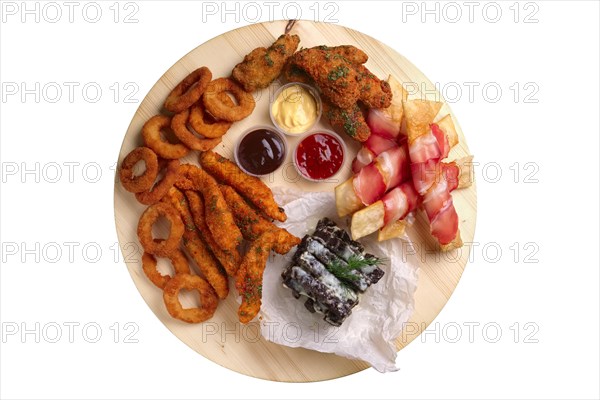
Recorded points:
204,228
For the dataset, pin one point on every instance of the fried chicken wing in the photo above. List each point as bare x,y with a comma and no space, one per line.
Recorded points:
340,74
350,121
374,92
349,52
263,65
293,73
334,74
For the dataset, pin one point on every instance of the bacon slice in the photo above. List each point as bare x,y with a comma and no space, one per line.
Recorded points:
388,170
429,143
385,125
368,184
451,172
424,175
394,206
378,144
374,146
444,225
442,140
394,165
388,121
363,158
424,148
381,124
399,202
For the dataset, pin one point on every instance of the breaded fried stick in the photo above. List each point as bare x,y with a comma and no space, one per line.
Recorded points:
230,259
253,225
218,217
249,277
250,187
262,66
196,247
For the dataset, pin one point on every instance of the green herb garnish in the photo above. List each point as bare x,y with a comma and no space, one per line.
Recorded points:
338,72
268,60
349,124
346,271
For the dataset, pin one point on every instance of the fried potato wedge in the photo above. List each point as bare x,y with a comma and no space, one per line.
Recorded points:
367,220
346,200
392,230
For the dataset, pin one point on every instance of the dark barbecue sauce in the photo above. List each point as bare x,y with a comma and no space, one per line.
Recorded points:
319,156
261,152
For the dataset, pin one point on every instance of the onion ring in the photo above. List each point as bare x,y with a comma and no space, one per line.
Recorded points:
210,141
160,190
221,111
198,119
178,261
143,182
152,138
188,91
161,248
208,298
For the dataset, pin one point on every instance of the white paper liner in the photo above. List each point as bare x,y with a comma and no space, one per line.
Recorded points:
369,332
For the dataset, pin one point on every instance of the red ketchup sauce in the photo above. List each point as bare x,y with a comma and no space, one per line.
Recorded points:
319,156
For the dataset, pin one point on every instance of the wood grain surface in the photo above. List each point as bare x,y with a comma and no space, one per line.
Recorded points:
223,340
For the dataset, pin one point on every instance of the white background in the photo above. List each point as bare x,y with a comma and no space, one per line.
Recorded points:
558,295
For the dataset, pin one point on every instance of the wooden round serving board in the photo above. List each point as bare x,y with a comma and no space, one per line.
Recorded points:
222,339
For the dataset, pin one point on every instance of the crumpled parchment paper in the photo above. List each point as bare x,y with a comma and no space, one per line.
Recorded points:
369,332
